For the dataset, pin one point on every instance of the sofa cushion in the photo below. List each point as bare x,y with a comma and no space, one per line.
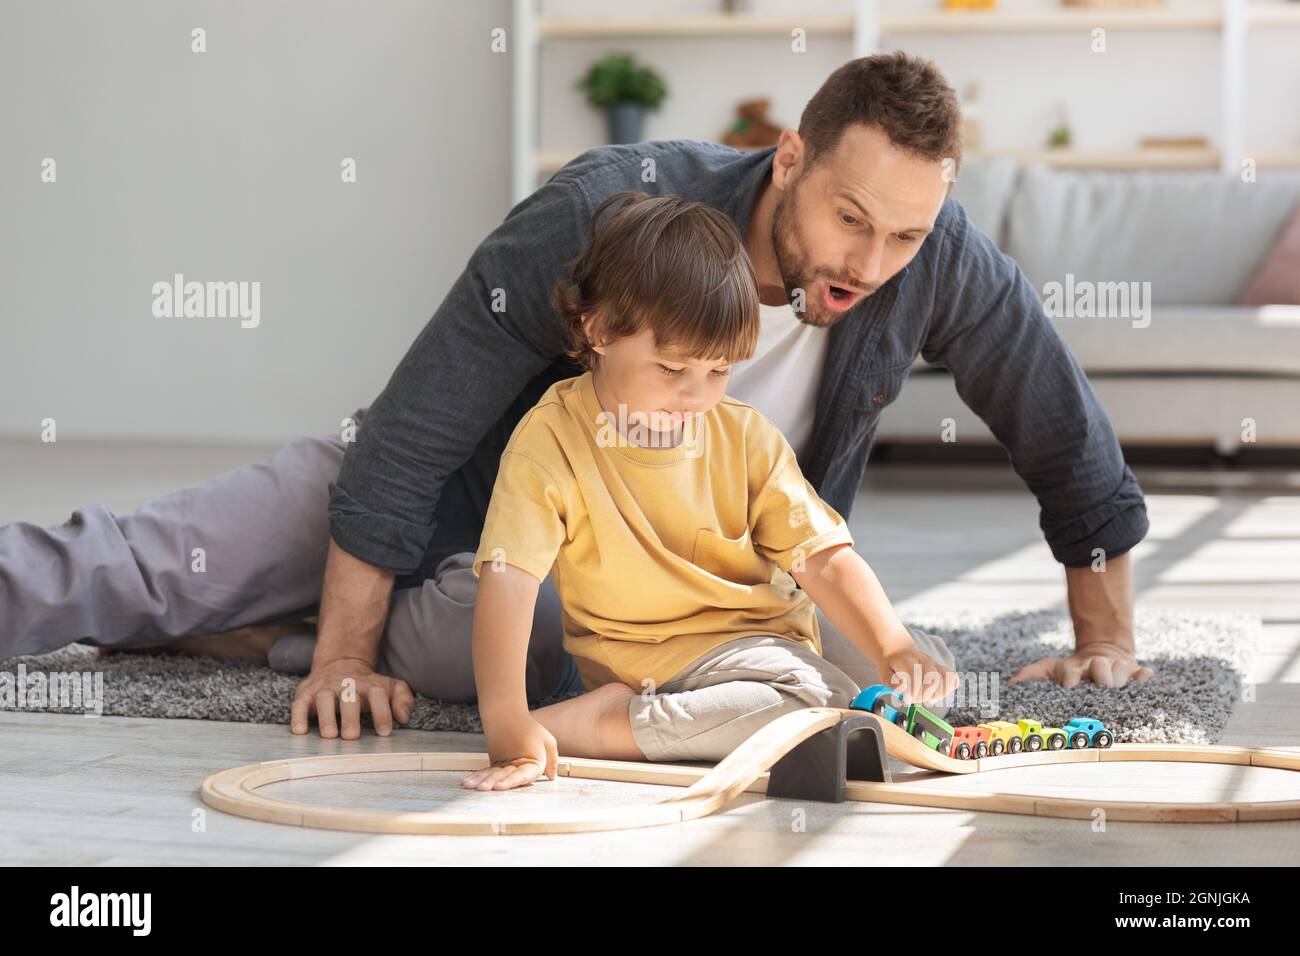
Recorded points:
984,187
1204,339
1197,237
1142,409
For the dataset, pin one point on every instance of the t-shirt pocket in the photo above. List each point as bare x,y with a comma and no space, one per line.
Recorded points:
732,559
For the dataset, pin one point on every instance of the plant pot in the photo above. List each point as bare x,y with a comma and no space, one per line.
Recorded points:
626,121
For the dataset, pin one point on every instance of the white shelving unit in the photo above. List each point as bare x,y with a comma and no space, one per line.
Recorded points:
1231,19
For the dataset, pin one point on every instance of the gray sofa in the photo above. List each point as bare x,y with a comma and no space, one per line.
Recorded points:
1188,366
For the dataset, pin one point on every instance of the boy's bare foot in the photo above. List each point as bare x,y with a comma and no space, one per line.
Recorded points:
596,724
241,644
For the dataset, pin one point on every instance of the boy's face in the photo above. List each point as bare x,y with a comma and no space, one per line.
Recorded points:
842,229
664,387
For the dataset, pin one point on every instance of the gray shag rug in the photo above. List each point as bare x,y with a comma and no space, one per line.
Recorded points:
1201,660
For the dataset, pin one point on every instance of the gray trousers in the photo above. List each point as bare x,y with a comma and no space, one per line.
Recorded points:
248,547
716,702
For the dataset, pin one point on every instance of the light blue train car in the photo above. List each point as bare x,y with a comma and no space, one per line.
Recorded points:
884,702
1084,732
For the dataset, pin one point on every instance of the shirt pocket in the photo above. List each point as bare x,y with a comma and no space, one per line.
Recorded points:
880,387
732,559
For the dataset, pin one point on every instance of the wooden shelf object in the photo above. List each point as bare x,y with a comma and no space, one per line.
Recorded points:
863,27
1062,20
1273,14
1119,159
695,25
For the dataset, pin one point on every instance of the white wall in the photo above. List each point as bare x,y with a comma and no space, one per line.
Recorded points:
225,165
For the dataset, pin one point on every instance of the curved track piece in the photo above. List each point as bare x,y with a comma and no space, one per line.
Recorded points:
904,747
234,790
744,770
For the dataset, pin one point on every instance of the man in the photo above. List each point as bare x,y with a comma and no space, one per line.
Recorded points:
862,262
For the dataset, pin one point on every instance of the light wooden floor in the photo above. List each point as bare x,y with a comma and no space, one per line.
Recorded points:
123,791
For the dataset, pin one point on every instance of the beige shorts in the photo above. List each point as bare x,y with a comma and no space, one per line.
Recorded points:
721,698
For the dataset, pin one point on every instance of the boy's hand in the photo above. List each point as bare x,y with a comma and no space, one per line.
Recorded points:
520,752
916,678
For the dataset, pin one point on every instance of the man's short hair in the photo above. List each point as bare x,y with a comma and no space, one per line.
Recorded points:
906,96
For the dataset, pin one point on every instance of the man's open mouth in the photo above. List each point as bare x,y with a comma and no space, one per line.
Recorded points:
841,298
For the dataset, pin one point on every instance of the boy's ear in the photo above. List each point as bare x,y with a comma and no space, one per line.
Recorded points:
587,330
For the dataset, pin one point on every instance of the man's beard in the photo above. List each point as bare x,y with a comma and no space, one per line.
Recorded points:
792,261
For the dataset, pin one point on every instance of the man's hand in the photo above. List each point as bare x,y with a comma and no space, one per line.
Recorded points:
353,686
1101,606
521,750
353,609
1099,661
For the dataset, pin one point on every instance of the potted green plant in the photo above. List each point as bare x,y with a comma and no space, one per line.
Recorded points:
625,91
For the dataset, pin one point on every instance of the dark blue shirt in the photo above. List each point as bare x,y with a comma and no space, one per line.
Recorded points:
414,486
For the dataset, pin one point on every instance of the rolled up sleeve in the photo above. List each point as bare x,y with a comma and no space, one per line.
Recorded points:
791,522
1012,368
525,523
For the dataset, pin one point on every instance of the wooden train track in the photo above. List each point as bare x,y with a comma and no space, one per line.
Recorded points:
708,789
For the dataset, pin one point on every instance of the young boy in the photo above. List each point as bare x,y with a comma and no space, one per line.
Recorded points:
675,519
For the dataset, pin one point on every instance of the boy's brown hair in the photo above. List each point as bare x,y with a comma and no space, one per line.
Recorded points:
676,267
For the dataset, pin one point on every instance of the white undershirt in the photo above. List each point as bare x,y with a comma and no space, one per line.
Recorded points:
783,377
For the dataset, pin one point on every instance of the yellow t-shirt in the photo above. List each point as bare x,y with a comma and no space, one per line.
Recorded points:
659,554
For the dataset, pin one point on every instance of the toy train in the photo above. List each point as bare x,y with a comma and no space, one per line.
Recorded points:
990,739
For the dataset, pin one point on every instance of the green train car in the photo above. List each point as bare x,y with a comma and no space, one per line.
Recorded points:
929,729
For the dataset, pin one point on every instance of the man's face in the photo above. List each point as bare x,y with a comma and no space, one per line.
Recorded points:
659,388
842,229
